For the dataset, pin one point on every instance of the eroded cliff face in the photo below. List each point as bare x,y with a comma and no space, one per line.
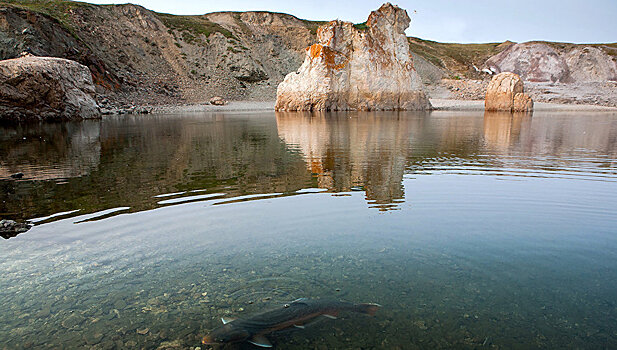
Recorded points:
567,63
354,69
139,56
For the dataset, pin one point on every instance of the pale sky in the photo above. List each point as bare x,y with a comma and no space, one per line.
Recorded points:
579,21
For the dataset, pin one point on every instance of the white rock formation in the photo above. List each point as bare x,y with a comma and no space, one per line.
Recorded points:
357,69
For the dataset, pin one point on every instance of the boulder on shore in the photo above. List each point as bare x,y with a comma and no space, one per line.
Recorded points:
218,101
505,93
10,228
46,88
353,68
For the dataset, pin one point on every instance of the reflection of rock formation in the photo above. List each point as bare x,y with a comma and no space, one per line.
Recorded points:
503,129
559,136
132,159
347,150
50,151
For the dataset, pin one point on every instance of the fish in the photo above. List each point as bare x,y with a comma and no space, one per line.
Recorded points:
294,314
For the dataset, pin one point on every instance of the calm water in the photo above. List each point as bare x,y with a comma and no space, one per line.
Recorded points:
473,231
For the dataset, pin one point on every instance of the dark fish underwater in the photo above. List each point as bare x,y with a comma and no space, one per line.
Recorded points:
294,314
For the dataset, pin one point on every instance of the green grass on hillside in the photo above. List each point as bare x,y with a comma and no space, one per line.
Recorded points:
313,25
56,9
361,26
192,26
454,57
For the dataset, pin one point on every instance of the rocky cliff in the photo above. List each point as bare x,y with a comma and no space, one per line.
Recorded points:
138,56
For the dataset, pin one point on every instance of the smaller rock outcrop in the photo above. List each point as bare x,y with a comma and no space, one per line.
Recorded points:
46,88
352,68
505,93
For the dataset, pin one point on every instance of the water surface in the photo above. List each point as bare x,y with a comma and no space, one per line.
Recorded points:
472,230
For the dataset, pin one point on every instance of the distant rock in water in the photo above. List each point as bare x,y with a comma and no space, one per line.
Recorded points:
353,68
46,88
505,92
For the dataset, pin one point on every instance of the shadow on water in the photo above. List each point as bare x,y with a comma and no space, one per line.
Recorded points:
146,162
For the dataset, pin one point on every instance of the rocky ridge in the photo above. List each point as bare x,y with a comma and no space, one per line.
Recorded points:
539,62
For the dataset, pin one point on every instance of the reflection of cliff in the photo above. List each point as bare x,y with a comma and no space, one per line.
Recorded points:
50,150
128,160
361,149
214,153
560,135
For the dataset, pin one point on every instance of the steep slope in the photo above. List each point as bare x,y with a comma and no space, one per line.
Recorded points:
139,56
456,60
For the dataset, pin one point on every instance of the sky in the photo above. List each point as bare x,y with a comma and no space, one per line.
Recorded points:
578,21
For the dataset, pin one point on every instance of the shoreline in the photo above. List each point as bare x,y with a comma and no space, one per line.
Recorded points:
438,105
478,105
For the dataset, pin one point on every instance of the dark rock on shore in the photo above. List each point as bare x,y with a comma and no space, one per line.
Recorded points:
10,228
127,110
46,88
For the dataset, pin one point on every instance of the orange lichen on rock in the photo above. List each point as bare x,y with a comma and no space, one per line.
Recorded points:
331,58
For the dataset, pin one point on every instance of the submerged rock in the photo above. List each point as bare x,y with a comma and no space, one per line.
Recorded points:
46,88
352,68
505,93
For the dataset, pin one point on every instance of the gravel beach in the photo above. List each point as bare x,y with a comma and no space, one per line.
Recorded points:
438,104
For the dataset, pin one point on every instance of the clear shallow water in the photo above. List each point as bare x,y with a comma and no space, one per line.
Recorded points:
472,230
